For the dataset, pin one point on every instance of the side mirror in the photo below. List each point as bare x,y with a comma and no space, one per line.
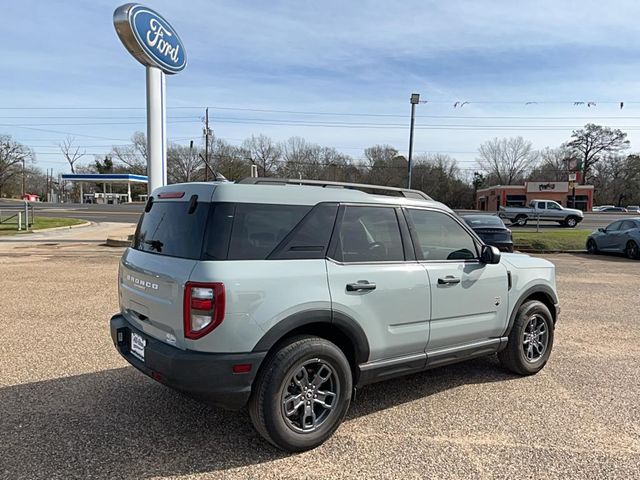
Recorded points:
490,255
602,230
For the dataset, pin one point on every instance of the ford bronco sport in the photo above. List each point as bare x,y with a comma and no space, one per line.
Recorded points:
285,297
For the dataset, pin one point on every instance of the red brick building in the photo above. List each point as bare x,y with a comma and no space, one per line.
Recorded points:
491,198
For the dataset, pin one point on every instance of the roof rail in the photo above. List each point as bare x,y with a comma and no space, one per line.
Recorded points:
364,187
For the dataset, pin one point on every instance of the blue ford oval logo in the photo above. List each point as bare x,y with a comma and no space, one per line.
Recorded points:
150,38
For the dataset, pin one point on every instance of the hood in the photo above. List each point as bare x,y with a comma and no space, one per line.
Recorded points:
575,211
522,260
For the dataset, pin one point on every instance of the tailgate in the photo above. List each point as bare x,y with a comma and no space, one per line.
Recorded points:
151,289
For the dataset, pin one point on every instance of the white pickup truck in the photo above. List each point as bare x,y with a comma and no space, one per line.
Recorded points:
543,210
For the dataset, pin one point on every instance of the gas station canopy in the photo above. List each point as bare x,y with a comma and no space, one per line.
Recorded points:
104,178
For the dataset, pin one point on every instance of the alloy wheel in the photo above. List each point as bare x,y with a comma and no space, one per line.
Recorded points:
632,250
535,338
310,395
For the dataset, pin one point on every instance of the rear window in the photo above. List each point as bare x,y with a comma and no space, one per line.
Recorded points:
169,228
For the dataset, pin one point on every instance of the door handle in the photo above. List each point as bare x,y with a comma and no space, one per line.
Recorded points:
361,285
448,280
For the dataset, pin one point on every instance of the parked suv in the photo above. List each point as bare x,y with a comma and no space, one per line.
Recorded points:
287,297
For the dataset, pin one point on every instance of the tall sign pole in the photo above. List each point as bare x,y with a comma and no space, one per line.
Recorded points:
415,99
154,43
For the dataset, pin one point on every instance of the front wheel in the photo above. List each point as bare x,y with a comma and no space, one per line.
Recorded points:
530,339
571,222
631,250
302,394
592,247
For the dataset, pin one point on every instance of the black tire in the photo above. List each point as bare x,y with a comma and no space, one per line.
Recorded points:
275,381
513,357
592,246
571,222
631,250
520,220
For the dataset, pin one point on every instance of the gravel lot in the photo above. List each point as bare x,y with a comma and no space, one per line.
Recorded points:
71,408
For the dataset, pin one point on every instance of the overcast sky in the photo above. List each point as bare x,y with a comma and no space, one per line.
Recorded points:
361,59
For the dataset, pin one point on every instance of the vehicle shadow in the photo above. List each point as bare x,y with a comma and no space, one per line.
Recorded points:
120,424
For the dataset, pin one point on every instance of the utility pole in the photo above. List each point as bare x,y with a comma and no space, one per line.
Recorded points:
415,99
206,144
190,161
23,191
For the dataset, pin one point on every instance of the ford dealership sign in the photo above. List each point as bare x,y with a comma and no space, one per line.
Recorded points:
149,38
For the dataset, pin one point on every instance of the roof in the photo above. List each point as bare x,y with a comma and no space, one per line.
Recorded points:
105,177
274,193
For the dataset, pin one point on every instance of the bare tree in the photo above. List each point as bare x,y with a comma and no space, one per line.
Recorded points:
71,153
554,165
135,155
507,159
12,156
184,164
264,153
593,142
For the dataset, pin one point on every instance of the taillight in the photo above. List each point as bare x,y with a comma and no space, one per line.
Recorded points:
204,305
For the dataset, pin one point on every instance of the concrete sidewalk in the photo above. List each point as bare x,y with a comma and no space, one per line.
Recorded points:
92,237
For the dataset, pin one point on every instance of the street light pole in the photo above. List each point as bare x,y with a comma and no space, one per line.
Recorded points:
415,99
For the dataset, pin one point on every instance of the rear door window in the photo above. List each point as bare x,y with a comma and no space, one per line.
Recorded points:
369,234
173,229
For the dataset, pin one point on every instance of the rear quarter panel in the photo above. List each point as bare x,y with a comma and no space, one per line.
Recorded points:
259,294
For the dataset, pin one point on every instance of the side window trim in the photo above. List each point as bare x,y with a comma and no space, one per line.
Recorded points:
414,236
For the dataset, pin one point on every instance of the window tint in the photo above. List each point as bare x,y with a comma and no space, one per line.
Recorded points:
542,205
615,226
259,228
627,225
440,237
369,234
171,228
216,244
310,239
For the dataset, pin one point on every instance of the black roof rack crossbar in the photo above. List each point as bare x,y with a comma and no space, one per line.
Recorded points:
378,189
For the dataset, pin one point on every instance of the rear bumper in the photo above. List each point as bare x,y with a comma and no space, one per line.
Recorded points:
207,376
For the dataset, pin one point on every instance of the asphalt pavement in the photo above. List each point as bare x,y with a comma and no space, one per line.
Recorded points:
72,408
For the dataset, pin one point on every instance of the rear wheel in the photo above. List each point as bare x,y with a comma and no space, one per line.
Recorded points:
592,247
520,220
631,250
530,339
302,394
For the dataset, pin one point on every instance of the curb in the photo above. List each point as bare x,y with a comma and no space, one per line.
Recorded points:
119,241
533,250
68,227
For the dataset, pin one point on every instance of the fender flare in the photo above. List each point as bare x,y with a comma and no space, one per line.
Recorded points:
344,323
544,289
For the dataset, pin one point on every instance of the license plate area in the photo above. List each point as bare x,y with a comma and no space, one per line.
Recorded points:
137,346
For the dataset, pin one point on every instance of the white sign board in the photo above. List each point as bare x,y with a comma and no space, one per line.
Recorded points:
549,187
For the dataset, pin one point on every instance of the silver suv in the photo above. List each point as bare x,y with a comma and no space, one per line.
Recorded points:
287,297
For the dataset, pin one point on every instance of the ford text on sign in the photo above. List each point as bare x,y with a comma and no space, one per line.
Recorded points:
150,38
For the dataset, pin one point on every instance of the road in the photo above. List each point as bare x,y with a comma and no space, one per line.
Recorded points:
72,408
124,213
129,213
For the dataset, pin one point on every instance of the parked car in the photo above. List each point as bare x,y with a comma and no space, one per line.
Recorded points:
621,236
286,297
544,210
633,208
492,231
613,209
600,207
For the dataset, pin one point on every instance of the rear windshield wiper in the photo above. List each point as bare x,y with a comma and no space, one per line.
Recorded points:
155,244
